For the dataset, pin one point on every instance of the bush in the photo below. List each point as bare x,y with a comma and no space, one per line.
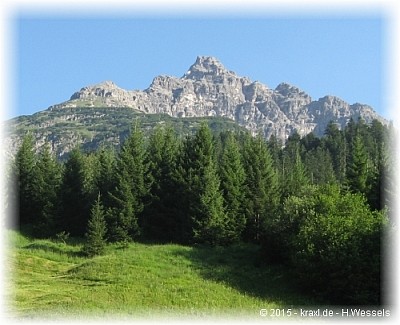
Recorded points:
333,242
280,232
337,251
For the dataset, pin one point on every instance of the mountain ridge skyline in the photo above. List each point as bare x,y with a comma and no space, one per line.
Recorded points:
208,88
103,112
330,56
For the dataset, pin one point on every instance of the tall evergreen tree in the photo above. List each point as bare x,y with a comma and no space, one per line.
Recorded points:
232,185
261,187
131,189
205,202
357,171
25,174
105,177
182,188
96,231
310,142
47,185
74,199
294,175
318,163
121,216
161,218
336,144
275,149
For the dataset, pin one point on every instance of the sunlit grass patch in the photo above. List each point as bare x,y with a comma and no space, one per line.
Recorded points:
51,279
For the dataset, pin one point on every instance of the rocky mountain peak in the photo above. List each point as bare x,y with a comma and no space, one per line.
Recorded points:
209,89
289,90
102,89
206,67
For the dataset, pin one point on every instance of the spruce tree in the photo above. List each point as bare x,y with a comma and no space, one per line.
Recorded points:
161,215
25,174
74,200
357,171
121,217
335,142
130,191
105,178
209,219
47,186
294,173
205,202
261,187
133,160
232,185
275,149
318,163
96,231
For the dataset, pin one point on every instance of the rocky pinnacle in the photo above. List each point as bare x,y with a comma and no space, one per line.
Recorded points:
209,89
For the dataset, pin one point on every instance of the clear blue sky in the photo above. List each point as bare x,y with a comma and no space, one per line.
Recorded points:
56,56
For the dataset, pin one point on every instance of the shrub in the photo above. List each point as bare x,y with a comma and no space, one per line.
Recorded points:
333,242
337,251
280,232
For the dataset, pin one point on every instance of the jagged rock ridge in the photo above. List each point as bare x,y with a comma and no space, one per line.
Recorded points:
103,112
209,89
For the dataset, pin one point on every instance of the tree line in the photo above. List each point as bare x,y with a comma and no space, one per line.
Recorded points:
317,204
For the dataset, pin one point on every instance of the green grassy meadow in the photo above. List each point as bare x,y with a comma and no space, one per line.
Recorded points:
49,279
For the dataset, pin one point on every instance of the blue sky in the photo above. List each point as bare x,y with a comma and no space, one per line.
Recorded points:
57,55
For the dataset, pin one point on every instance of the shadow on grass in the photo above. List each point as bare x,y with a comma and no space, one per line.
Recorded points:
54,248
240,268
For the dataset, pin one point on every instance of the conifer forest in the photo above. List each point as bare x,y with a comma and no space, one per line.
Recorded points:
321,207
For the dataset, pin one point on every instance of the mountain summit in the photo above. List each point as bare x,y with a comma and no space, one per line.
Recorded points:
206,67
209,89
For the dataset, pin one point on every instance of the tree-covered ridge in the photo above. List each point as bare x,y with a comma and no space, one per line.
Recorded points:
319,205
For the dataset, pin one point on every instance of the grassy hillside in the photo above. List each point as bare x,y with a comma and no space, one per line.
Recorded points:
52,279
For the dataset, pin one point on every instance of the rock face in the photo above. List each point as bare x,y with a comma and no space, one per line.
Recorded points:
209,89
104,112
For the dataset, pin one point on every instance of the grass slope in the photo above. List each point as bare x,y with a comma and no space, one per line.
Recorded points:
50,279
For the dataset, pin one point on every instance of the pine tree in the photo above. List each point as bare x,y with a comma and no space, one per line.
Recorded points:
318,163
295,174
105,177
310,142
210,219
203,196
47,186
357,171
275,149
232,177
335,142
121,216
74,199
25,174
131,189
261,187
161,215
133,160
96,230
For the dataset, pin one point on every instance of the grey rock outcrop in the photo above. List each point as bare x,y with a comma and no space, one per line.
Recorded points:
209,89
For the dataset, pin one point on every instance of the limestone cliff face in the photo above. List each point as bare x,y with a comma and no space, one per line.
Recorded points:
104,112
209,89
